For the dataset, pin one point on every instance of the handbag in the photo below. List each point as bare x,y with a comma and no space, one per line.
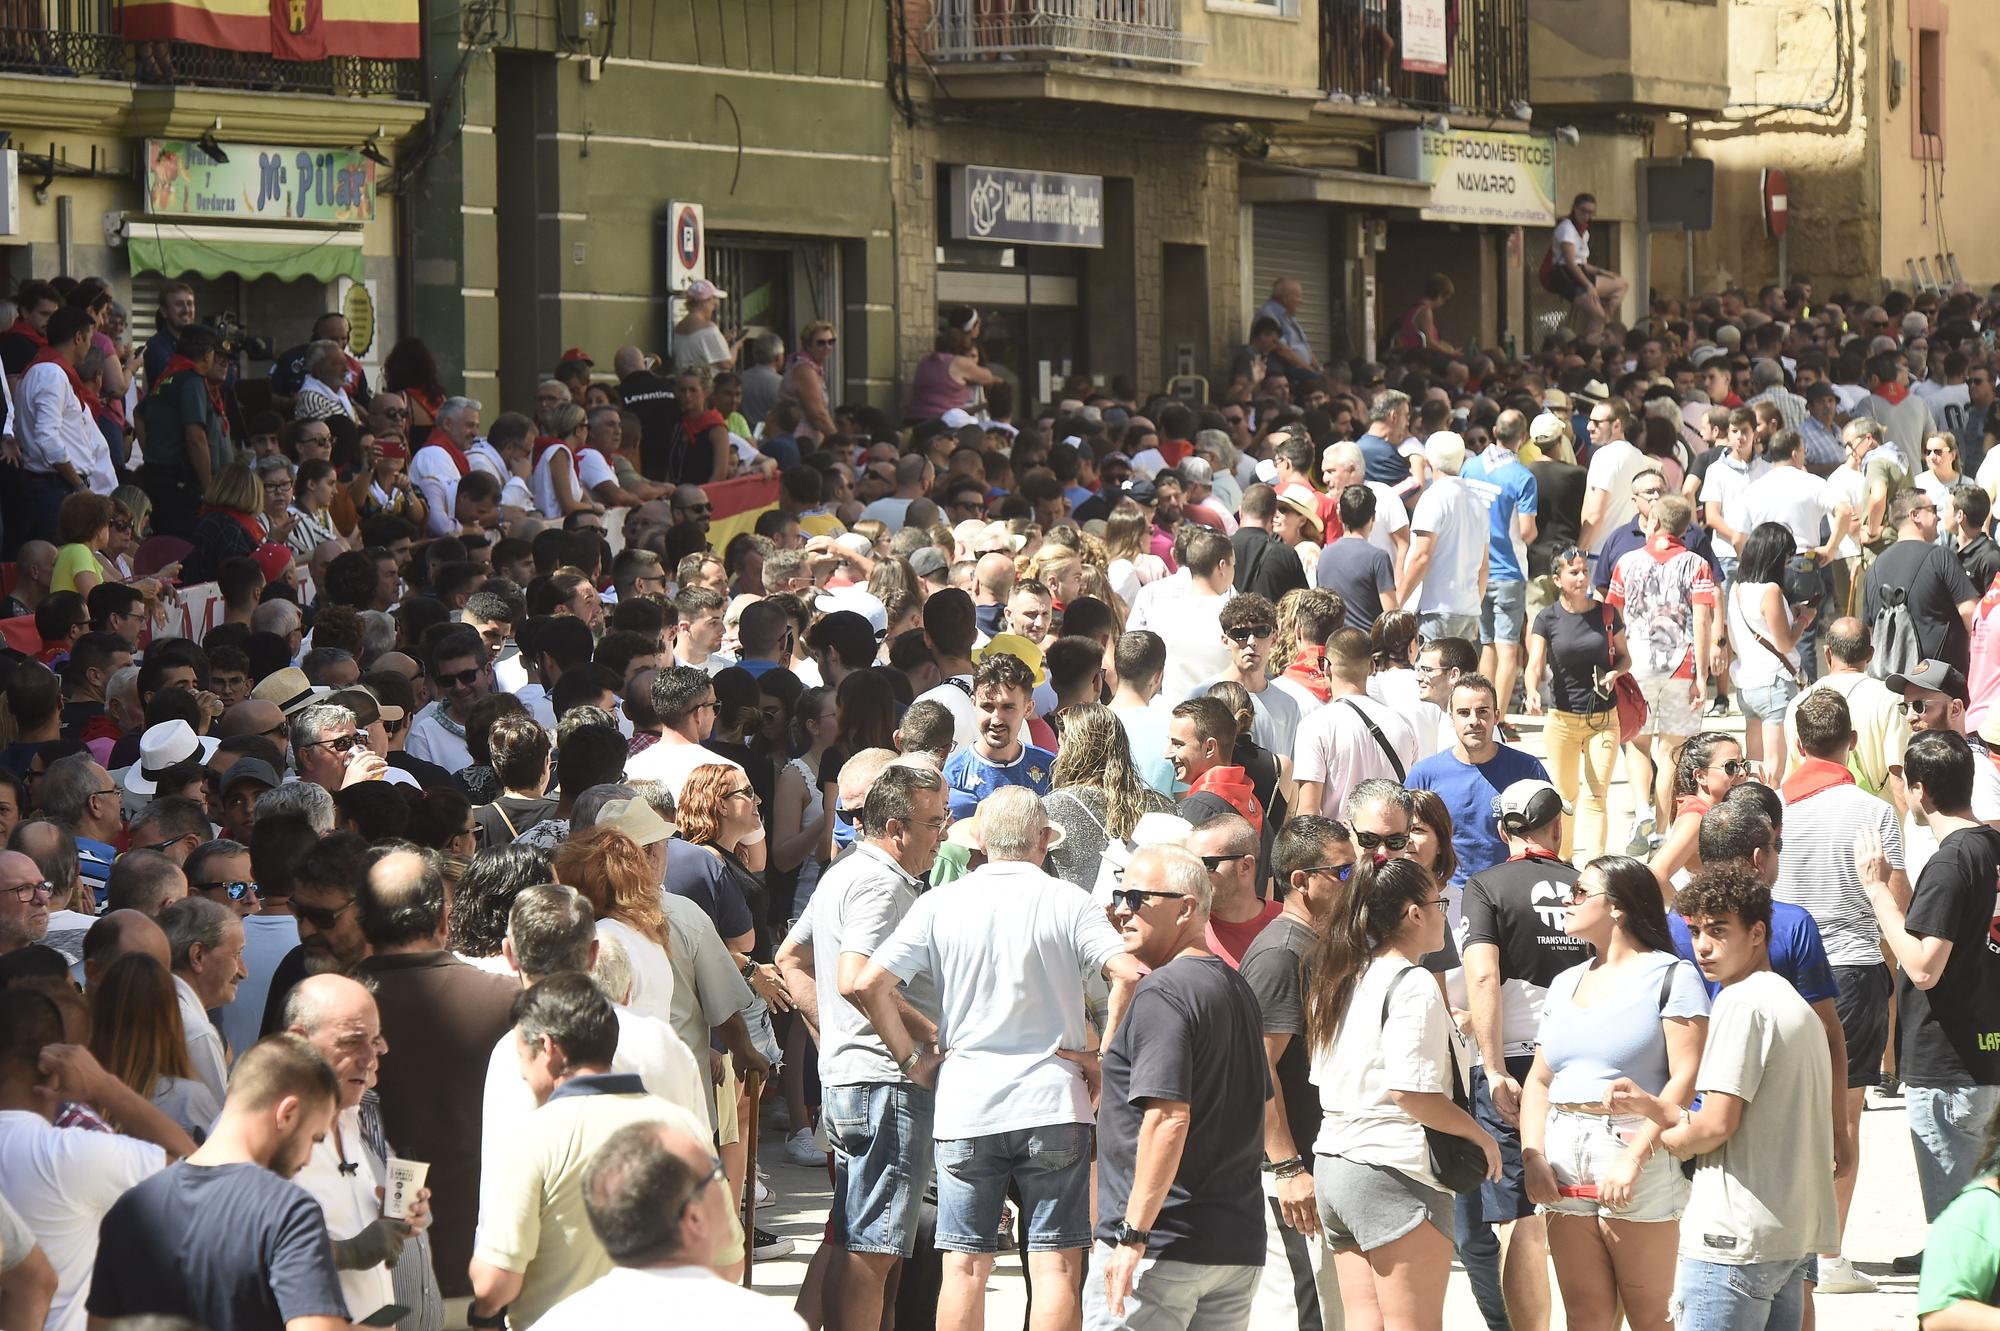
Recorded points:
1626,695
1456,1162
1791,671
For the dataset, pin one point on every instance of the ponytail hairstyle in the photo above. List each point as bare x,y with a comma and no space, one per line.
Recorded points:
1367,919
1631,888
1693,760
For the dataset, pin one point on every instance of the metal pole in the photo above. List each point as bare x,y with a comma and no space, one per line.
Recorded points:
1784,259
1687,233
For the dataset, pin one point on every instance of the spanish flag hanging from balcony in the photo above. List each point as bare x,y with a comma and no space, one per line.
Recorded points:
288,29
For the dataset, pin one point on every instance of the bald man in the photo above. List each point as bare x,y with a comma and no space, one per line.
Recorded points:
254,716
992,585
120,932
338,1017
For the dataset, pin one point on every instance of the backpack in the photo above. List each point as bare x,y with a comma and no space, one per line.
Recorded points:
1894,634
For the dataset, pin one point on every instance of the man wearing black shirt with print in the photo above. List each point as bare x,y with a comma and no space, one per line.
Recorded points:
1946,939
1313,858
225,1239
1180,1228
1514,946
1940,597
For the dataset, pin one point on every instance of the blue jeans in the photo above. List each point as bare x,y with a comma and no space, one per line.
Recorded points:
1948,1128
1479,1253
1051,1167
1757,1296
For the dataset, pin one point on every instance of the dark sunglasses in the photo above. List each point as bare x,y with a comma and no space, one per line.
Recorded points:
1132,899
1247,632
319,917
1340,872
1735,767
235,891
339,744
1214,862
464,678
1371,840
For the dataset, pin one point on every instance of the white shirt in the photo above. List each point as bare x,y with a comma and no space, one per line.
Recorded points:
1195,647
1399,690
1370,1058
430,741
632,1296
1794,498
1566,233
652,974
1153,599
1008,947
542,484
62,1181
957,701
436,477
594,469
204,1042
673,761
1390,517
1455,517
53,427
349,1204
1336,748
1614,469
535,698
1727,479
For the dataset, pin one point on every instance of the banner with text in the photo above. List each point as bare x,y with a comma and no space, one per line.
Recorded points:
1479,175
1426,38
999,203
259,182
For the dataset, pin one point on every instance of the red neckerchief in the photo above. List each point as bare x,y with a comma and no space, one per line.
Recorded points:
1812,776
1308,671
1535,853
177,364
1664,547
452,451
29,331
86,399
246,521
1175,451
1893,394
545,442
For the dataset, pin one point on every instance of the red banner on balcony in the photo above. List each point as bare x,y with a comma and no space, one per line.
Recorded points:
302,30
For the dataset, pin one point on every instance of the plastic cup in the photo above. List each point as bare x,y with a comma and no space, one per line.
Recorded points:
405,1181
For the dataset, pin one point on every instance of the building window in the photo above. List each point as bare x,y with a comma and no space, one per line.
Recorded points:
1929,21
1256,8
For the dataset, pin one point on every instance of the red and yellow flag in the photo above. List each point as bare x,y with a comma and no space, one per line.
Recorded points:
302,30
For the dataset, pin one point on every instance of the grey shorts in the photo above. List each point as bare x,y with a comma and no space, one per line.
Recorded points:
1371,1206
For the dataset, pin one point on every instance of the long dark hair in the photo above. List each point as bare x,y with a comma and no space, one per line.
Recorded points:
1692,759
1765,553
1630,886
1366,920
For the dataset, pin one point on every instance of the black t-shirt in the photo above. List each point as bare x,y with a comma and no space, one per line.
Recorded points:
1266,565
1559,516
1579,646
1934,587
1981,562
229,1247
1273,967
1360,571
1194,1035
507,817
654,401
1951,1031
1518,906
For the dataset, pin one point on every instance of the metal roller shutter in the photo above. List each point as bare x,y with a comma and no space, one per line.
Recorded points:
1295,241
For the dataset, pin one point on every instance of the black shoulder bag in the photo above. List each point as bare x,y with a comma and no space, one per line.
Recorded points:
1456,1162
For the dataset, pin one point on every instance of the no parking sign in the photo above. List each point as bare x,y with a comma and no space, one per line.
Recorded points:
687,251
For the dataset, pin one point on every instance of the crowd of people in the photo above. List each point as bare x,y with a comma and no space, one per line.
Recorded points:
1037,820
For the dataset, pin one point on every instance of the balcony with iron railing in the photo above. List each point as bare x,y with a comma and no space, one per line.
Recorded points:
1141,32
1362,57
84,39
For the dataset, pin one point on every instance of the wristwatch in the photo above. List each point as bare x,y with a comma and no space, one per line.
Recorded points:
1128,1237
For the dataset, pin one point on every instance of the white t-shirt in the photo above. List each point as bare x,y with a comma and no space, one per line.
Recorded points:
1796,498
594,469
1727,479
1370,1058
1336,748
637,1296
1151,604
1456,517
541,482
673,762
1195,647
1400,692
957,701
1390,517
1277,725
62,1181
652,974
1566,233
1614,469
1008,947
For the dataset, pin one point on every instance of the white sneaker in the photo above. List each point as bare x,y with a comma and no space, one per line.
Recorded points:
801,1149
764,1197
1838,1276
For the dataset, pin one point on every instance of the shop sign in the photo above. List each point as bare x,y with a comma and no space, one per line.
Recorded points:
1425,43
1479,175
999,203
259,183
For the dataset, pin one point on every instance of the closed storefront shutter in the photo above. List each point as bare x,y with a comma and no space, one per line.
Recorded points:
1296,241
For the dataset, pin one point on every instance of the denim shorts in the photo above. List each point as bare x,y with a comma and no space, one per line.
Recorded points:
1503,613
1365,1207
1506,1201
1581,1148
881,1137
1717,1296
1050,1166
1435,624
1767,702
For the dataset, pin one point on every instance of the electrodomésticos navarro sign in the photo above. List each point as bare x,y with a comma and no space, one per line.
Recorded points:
1002,204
